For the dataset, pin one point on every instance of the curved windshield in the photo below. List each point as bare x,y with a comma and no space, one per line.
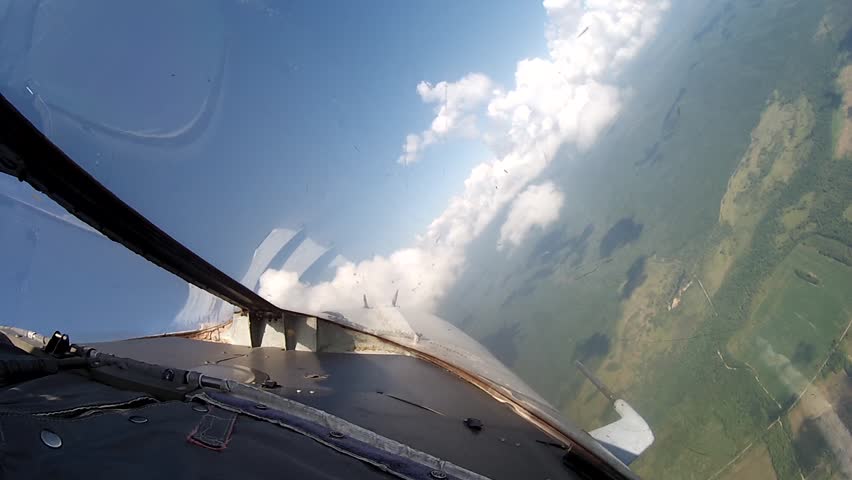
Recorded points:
660,190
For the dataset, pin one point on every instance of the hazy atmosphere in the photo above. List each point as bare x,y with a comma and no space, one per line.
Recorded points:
662,190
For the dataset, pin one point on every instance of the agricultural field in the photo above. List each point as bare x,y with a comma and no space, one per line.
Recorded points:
703,262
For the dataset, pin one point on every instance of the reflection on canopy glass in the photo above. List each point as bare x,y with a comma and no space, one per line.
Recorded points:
660,190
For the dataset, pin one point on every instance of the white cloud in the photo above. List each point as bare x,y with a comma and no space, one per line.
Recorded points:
203,308
567,98
454,114
537,206
420,275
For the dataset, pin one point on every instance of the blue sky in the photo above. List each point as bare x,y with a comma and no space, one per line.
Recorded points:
316,102
336,122
317,99
221,121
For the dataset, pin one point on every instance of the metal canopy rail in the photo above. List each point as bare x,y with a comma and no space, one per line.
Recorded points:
27,154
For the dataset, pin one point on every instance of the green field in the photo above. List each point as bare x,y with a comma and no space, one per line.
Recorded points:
721,175
797,320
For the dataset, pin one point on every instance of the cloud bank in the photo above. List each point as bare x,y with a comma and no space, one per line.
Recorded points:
568,98
536,207
203,308
457,101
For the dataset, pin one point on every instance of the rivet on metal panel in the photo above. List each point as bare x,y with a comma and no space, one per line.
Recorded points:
437,474
200,408
138,419
261,406
51,439
335,434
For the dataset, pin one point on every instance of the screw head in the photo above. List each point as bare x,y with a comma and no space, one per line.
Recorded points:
51,439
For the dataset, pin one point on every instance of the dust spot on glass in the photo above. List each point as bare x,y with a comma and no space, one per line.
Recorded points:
32,236
261,6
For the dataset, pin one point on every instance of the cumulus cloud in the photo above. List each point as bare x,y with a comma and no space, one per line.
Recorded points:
420,275
203,308
567,98
537,206
454,114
